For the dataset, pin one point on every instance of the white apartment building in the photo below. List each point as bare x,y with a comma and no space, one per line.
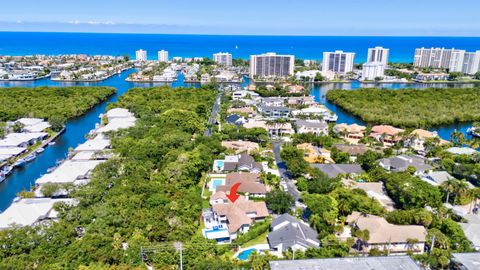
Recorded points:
163,56
373,70
378,54
452,59
338,62
141,55
271,65
223,58
471,63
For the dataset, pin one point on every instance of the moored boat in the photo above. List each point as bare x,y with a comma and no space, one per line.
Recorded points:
30,157
19,163
40,150
51,143
475,132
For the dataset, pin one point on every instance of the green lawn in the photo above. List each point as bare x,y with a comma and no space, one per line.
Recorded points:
261,239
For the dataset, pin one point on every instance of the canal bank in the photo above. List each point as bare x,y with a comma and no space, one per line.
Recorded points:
23,178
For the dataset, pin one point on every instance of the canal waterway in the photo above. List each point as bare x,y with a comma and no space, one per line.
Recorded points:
23,178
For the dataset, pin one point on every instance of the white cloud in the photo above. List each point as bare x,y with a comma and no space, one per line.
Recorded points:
92,22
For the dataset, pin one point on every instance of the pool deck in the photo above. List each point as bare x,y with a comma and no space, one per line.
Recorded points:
259,247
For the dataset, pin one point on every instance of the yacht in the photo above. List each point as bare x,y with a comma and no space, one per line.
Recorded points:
40,150
51,143
19,163
30,157
474,132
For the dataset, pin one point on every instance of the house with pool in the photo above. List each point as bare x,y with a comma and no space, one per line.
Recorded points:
224,220
250,184
241,162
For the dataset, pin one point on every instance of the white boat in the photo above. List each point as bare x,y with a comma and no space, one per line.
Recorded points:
40,150
30,157
51,143
2,178
7,170
19,163
473,131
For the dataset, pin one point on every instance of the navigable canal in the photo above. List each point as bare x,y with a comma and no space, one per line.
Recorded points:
23,178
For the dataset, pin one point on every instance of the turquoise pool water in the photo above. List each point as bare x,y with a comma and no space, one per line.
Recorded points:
244,254
216,182
219,164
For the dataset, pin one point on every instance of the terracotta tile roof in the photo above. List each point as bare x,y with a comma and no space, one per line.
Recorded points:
236,213
250,183
386,129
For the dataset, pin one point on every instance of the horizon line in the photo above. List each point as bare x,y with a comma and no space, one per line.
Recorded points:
198,34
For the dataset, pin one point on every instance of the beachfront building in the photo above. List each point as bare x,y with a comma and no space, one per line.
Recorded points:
378,55
338,62
471,62
372,71
452,59
223,58
383,236
141,55
271,65
163,56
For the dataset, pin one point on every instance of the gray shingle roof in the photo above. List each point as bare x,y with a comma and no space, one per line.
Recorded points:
293,232
333,170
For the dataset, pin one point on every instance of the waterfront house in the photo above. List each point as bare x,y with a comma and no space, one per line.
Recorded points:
352,133
301,101
33,124
224,220
316,127
287,232
76,172
273,101
316,112
383,236
418,137
30,212
8,152
249,184
402,162
386,134
334,170
98,143
22,139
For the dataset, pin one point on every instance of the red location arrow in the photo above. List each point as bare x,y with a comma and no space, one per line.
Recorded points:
233,196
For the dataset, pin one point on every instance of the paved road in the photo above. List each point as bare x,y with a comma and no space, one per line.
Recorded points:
213,115
282,168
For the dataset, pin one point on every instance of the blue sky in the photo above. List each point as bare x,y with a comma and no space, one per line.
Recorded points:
273,17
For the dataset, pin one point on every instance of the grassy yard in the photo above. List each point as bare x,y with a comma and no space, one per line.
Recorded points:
261,239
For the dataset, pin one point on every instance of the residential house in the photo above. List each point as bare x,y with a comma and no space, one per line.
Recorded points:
402,162
312,126
22,140
349,263
225,219
273,101
471,228
236,119
436,178
334,170
417,139
301,101
465,261
274,112
274,129
317,112
241,162
241,146
383,236
354,150
462,151
315,154
243,110
352,133
33,124
249,184
375,190
388,135
287,232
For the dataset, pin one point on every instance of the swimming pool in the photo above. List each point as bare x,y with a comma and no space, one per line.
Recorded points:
216,182
219,164
244,254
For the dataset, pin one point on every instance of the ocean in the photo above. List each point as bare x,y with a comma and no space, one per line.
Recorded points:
303,47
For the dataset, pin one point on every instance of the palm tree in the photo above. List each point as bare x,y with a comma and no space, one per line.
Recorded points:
449,186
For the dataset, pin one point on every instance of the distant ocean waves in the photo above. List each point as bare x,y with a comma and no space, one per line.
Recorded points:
401,48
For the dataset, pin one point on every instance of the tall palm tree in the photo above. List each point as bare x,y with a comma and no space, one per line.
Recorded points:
449,186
